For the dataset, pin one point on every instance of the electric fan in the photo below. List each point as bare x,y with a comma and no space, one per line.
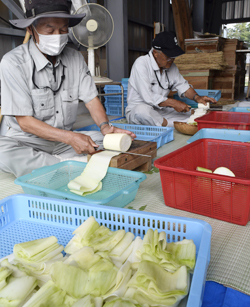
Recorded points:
94,31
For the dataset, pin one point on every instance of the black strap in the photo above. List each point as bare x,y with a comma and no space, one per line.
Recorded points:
47,9
54,92
169,86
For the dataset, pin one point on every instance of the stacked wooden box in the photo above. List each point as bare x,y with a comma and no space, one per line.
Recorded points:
231,80
210,44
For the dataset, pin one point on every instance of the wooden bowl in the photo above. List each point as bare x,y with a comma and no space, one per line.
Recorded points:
185,128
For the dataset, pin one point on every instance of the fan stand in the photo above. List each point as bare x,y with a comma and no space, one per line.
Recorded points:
91,65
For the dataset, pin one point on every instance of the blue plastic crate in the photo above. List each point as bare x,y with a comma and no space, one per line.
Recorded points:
114,108
119,185
221,134
26,217
160,135
216,94
125,80
115,88
238,109
110,100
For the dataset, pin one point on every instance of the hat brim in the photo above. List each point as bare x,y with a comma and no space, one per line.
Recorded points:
26,22
173,53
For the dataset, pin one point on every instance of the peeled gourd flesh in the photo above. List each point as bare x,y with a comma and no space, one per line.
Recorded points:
117,141
89,181
200,111
224,171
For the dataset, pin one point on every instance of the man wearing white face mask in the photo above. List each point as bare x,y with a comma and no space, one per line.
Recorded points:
41,84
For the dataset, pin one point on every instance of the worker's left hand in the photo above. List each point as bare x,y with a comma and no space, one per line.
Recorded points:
107,129
204,100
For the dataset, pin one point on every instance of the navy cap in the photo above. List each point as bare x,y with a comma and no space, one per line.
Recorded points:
167,43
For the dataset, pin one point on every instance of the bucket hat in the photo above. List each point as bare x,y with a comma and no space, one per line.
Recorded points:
167,43
36,9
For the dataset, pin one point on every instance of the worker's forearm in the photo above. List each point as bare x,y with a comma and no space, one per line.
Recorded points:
97,111
170,102
190,93
34,126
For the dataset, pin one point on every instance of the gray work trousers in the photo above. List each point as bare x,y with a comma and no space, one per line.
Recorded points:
143,114
21,156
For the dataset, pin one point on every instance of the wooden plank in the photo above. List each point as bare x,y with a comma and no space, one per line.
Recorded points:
178,23
139,147
197,73
130,162
182,21
142,163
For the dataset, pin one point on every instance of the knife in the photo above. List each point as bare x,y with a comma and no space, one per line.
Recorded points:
212,108
124,152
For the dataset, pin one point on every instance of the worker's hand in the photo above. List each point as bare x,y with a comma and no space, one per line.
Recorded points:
180,106
204,99
107,129
82,143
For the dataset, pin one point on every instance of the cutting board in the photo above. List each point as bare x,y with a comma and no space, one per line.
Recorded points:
133,162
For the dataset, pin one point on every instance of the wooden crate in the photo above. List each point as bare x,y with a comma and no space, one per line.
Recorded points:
230,82
199,79
207,45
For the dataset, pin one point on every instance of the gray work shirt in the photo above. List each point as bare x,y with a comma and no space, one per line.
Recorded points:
21,97
143,86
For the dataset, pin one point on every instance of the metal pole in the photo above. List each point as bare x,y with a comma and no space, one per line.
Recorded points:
14,8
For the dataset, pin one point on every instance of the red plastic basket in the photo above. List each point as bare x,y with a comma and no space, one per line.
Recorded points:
220,197
224,120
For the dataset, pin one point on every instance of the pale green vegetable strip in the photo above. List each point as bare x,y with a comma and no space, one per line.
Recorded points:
120,260
91,234
86,229
4,273
69,301
123,302
135,256
162,240
16,290
3,283
32,248
103,239
85,192
154,285
184,252
34,254
119,249
122,278
94,172
202,169
16,272
102,270
71,279
84,258
152,250
89,301
49,295
79,283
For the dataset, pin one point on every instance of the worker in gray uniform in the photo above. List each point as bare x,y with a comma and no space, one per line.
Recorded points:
41,84
152,78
